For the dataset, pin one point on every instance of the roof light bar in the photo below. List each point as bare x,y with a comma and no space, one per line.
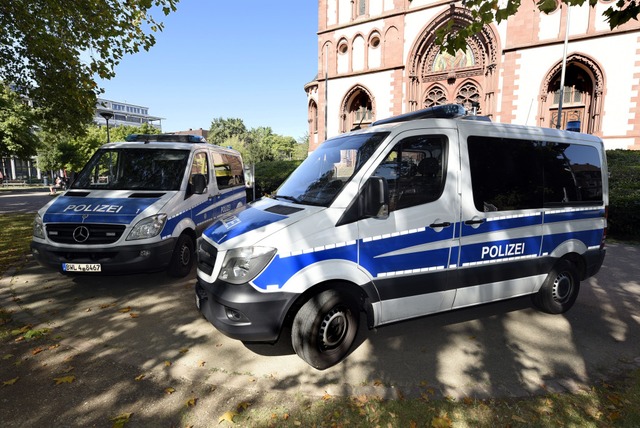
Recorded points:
445,111
165,138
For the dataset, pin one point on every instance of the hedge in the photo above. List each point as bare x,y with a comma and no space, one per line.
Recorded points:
624,194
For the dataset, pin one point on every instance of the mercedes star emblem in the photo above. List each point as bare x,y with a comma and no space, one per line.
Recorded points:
80,234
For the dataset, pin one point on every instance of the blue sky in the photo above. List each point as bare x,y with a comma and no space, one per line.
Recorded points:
247,60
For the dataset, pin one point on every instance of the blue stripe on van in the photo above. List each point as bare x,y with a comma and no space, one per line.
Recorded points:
282,268
569,215
200,214
590,238
493,224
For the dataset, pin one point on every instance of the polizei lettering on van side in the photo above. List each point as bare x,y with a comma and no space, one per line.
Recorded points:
94,209
504,250
417,214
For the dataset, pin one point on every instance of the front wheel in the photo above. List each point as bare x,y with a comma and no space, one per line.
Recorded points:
560,289
324,329
182,258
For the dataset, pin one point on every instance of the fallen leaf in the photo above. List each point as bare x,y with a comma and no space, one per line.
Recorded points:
167,363
441,422
139,377
125,310
57,345
64,379
37,351
413,424
184,350
191,402
519,419
378,382
133,315
10,381
120,420
326,396
107,305
88,310
169,390
243,406
227,416
201,363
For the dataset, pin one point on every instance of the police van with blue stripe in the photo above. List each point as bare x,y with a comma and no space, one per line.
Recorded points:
421,213
139,205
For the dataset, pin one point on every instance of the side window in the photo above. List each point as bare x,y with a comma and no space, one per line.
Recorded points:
200,165
509,174
228,170
572,175
506,174
415,170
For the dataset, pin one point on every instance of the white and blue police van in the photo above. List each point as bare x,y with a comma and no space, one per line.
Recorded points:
417,214
139,206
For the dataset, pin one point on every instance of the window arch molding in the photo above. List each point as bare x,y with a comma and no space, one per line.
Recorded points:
347,116
483,48
434,95
593,108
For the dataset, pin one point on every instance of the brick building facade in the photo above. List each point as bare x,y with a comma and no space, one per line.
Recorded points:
377,58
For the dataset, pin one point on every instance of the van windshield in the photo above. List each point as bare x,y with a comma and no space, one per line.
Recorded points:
134,169
319,179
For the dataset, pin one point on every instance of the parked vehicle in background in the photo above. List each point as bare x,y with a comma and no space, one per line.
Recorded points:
138,206
421,213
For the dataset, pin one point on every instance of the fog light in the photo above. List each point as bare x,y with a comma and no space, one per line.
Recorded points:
145,253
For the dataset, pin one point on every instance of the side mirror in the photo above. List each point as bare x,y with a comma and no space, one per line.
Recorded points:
199,183
375,198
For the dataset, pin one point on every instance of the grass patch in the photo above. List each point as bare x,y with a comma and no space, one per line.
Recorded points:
605,405
15,237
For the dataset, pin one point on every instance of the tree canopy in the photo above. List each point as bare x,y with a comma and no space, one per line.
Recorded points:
51,51
16,125
484,12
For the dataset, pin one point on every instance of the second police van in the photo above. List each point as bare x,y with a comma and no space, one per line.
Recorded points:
139,205
417,214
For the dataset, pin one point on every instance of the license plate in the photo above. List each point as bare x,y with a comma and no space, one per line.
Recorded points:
81,267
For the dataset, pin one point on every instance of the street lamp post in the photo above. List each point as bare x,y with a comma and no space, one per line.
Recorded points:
107,116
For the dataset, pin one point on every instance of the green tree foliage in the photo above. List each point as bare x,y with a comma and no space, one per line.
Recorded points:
483,12
71,153
16,125
42,41
224,129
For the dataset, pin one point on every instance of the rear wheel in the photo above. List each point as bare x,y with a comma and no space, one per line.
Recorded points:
324,329
182,258
560,289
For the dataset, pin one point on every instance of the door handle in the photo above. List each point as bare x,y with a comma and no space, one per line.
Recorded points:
472,222
436,225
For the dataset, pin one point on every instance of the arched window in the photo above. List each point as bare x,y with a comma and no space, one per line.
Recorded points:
435,96
358,110
313,117
468,95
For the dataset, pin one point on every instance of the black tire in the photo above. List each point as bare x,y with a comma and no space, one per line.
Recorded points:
560,289
182,258
325,328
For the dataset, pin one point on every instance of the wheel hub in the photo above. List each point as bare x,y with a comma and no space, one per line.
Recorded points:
333,329
562,287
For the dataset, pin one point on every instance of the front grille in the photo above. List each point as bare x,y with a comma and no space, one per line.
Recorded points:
99,234
207,255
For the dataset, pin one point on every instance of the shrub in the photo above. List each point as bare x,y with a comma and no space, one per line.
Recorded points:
270,175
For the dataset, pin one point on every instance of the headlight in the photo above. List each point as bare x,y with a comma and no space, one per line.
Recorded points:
148,227
243,264
38,227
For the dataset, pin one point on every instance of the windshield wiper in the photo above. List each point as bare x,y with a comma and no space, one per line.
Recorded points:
288,198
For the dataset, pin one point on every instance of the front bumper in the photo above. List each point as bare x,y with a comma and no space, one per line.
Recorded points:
113,260
241,312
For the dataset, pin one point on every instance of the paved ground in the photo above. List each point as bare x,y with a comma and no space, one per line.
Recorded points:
125,340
